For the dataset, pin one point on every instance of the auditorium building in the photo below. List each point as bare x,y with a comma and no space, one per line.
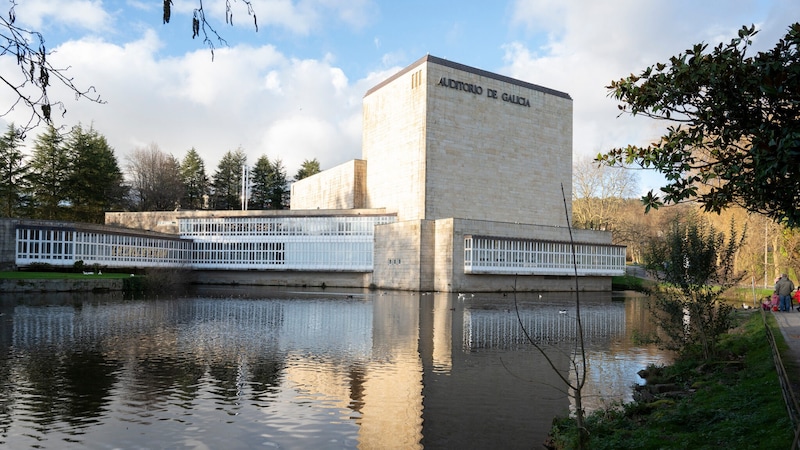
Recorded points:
464,185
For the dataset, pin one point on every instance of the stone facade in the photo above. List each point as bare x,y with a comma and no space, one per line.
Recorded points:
403,255
453,151
340,187
445,140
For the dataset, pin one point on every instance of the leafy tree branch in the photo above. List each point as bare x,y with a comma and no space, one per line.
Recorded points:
733,137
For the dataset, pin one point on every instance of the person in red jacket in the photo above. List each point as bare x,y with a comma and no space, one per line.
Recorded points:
797,297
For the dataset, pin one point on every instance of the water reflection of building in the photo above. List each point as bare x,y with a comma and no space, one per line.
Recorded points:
402,369
351,354
545,325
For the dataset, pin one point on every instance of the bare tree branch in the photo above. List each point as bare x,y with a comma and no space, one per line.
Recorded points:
35,76
200,24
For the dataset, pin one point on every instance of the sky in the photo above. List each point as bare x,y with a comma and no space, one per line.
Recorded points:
292,89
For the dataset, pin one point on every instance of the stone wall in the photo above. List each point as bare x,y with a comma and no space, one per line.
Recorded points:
340,187
393,144
444,140
61,285
403,255
282,278
492,159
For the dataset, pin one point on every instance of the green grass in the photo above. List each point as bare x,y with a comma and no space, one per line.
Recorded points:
57,275
734,402
629,283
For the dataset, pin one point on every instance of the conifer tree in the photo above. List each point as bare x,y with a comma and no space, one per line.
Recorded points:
195,181
13,174
50,168
95,181
308,168
279,189
227,182
261,179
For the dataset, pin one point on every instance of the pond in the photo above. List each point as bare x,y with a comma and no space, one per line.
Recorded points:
241,368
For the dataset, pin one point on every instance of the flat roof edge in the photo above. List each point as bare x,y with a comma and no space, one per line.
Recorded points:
473,70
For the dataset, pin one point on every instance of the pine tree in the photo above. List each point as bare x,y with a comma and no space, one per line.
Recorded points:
195,181
279,189
95,182
261,179
308,168
228,180
49,175
13,174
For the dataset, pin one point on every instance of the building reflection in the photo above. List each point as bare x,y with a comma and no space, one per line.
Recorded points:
409,370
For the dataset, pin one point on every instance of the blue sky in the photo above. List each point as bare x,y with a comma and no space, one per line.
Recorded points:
293,89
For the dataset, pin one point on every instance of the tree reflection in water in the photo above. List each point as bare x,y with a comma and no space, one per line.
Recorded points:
301,369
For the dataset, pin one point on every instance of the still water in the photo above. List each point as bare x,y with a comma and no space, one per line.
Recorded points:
245,368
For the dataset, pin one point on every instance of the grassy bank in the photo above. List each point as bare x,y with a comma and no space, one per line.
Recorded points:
630,283
154,282
734,401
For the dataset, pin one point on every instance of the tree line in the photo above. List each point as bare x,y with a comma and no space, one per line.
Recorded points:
76,176
604,198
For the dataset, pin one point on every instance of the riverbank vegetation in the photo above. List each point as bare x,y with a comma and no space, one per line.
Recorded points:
722,390
730,401
768,248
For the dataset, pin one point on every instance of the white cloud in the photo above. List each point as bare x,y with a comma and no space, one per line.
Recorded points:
253,97
270,100
89,15
301,18
589,44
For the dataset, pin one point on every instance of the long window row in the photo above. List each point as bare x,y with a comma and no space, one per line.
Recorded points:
492,255
353,253
283,243
255,227
65,246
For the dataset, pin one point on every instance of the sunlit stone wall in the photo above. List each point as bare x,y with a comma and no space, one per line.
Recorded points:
340,187
446,140
404,255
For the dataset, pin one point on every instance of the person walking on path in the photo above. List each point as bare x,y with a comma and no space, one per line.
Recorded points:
784,288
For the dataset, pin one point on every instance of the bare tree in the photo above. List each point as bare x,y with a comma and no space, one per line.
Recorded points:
577,357
598,193
155,179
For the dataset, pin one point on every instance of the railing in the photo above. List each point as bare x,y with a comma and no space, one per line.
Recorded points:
496,255
792,406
